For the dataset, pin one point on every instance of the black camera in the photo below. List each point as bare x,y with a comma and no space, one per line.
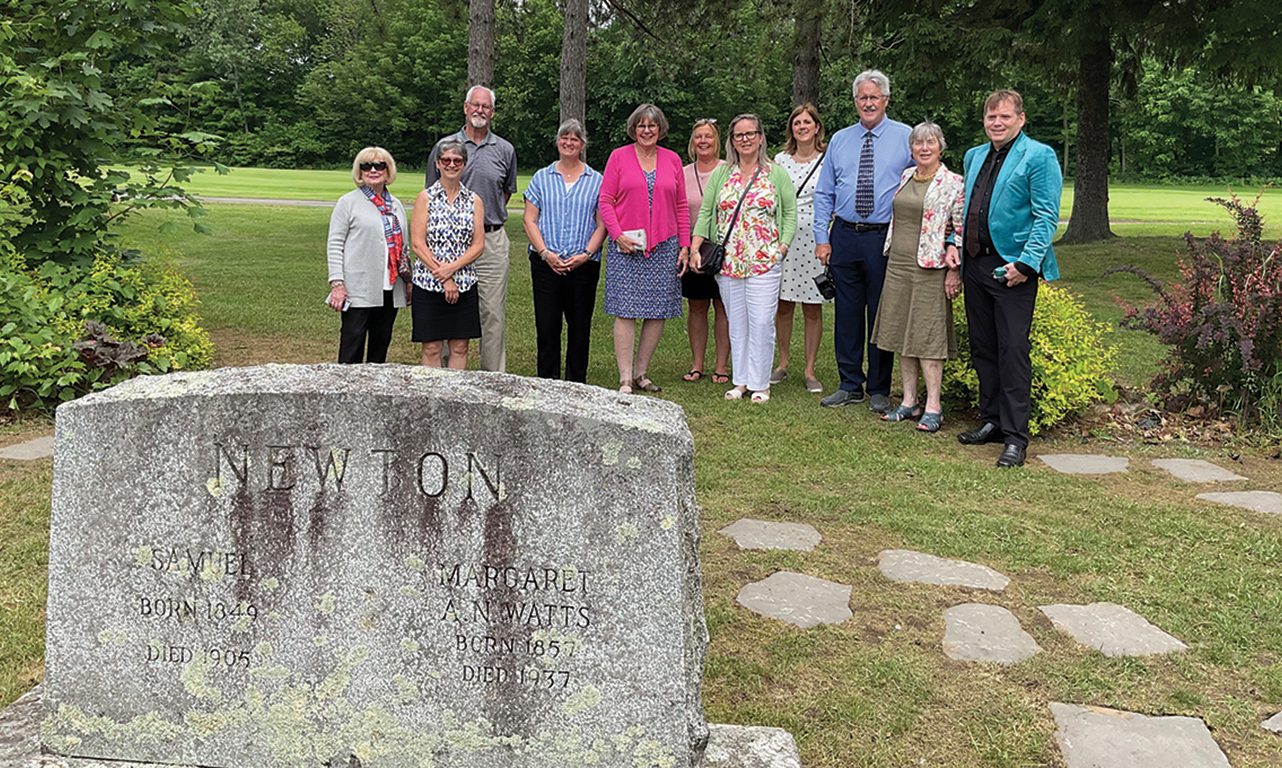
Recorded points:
825,285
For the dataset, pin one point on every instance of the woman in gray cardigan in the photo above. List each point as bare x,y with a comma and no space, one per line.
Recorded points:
368,261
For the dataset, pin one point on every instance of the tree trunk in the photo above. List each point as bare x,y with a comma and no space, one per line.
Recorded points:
480,43
1089,220
808,17
574,62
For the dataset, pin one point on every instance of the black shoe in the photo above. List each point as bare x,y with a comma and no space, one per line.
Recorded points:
1012,456
987,433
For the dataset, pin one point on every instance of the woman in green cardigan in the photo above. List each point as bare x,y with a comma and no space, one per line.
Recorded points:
757,242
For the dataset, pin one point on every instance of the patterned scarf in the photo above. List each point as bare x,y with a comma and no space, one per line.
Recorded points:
397,265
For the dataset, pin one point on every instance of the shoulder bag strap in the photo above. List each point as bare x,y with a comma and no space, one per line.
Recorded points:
812,171
730,228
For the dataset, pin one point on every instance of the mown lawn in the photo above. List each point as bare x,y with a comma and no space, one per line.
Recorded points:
876,691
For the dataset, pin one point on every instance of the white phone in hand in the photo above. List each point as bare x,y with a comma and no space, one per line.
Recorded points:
637,236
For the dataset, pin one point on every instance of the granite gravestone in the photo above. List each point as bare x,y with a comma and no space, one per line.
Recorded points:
379,566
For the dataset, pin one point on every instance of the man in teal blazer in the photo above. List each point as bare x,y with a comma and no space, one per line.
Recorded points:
1013,186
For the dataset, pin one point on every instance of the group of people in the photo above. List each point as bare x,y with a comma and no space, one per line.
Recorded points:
872,220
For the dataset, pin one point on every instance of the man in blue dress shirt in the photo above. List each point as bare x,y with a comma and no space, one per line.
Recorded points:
852,210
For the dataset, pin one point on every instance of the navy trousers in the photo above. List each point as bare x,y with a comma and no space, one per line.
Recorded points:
858,270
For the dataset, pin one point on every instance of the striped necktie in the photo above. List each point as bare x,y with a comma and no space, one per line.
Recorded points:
864,199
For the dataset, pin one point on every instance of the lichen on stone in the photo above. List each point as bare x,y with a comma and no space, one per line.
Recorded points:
325,606
581,701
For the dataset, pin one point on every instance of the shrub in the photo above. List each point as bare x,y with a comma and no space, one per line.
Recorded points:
1223,323
66,330
1072,365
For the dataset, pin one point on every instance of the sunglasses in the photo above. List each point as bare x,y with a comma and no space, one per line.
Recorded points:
451,161
705,121
373,166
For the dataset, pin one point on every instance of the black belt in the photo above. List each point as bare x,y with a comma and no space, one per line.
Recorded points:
860,226
492,228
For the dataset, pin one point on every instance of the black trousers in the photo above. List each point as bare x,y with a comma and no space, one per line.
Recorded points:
1000,319
362,323
858,269
572,297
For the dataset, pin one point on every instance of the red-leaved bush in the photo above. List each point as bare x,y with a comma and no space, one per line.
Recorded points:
1223,323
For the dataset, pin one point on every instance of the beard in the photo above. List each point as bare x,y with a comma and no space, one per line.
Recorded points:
479,122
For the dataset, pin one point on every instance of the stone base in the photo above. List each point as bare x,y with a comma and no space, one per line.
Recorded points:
729,746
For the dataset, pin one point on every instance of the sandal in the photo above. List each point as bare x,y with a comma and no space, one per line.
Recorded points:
625,388
720,378
761,396
644,384
694,375
904,413
736,393
930,422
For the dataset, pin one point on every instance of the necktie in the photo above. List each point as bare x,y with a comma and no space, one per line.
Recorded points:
863,183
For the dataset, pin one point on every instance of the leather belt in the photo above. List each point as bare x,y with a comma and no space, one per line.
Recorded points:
492,228
860,226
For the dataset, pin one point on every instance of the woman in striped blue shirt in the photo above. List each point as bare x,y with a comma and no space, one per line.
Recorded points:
565,235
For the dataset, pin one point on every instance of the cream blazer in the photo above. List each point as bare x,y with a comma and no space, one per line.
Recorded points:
942,215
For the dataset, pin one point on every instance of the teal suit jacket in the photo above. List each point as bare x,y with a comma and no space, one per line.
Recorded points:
1024,212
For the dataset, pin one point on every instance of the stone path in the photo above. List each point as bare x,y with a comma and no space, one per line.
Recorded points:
798,599
1273,724
745,746
1111,629
978,632
907,566
1267,502
1196,471
762,534
1085,463
39,448
1094,737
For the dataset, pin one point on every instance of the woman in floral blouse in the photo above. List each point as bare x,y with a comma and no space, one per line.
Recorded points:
448,234
923,275
749,279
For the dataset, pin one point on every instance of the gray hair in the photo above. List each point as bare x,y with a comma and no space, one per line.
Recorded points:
452,145
874,76
572,127
647,111
494,102
732,152
927,130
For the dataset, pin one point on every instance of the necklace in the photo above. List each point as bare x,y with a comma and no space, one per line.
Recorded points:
919,177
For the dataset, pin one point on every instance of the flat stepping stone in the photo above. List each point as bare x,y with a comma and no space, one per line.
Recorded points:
1268,502
1095,737
1085,463
40,448
762,534
1111,629
1196,471
904,565
978,632
748,746
797,599
1273,724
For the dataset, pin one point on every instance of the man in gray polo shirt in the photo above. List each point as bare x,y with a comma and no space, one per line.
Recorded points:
491,174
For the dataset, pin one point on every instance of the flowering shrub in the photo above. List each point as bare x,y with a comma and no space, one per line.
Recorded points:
1072,366
1223,322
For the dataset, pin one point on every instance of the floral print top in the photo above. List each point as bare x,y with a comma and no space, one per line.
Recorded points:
449,234
755,247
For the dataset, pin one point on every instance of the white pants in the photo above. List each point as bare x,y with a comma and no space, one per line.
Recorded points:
491,287
750,307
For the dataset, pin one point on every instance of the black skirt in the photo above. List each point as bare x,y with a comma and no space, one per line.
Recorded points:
435,319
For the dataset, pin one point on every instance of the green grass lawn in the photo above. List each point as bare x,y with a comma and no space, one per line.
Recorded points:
876,691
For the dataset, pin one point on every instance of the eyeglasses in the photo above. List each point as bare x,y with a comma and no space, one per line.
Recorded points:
869,99
746,135
480,106
449,162
374,166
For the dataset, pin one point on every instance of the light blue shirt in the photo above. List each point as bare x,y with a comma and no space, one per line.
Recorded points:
835,192
567,217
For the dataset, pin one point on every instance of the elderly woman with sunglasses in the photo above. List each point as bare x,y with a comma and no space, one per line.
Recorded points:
367,258
752,208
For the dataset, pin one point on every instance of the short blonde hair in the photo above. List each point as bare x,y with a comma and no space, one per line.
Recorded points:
704,122
373,155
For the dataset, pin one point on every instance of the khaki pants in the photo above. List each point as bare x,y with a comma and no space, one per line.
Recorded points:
491,287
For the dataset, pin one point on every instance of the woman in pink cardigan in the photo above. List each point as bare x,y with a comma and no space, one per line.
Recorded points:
643,205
